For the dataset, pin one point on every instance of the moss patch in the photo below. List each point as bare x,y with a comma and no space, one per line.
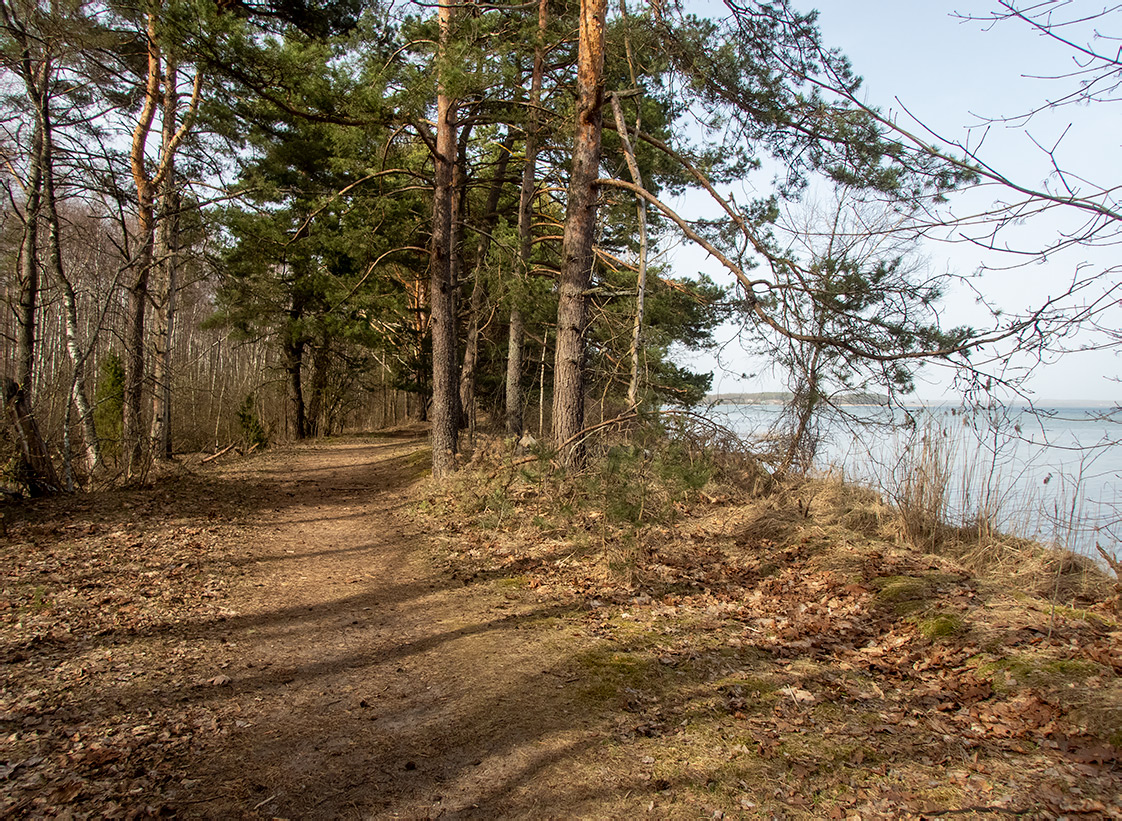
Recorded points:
941,626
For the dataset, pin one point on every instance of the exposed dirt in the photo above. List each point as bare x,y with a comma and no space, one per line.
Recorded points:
275,639
286,636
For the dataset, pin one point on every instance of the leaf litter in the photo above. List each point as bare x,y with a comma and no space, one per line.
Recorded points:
812,671
727,669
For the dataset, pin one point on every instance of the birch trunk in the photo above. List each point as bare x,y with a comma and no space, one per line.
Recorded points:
641,284
92,446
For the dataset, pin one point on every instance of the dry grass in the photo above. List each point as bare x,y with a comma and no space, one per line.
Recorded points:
794,653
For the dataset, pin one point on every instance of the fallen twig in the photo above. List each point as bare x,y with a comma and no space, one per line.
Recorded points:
224,450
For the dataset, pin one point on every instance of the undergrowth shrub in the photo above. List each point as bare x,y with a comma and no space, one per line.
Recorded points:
254,435
640,478
109,405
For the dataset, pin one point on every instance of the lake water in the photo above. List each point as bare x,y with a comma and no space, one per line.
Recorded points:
1051,473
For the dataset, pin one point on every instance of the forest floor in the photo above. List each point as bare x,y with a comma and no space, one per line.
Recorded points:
317,632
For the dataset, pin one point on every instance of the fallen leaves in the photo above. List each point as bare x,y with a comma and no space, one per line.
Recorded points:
893,663
86,635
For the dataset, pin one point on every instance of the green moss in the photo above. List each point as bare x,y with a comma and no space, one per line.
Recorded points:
904,594
941,626
420,459
1037,672
1072,669
902,588
1094,619
606,673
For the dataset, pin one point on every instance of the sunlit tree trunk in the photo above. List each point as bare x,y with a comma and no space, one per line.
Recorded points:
92,455
29,248
134,434
641,284
165,270
444,400
516,342
577,242
34,68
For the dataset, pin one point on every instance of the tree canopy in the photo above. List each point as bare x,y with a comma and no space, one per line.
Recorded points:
454,210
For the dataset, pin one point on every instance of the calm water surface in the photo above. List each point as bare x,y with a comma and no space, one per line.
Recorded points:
1054,474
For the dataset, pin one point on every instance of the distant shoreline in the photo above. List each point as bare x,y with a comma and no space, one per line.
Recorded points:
779,398
783,397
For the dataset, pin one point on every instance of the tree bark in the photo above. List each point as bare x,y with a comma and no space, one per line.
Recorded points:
92,456
133,433
29,252
516,342
294,365
40,474
317,406
471,354
515,408
166,278
479,291
577,241
443,412
641,283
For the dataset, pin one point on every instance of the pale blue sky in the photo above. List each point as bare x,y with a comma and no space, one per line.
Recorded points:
945,72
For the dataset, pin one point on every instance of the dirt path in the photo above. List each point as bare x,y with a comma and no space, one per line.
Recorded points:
278,640
284,637
363,680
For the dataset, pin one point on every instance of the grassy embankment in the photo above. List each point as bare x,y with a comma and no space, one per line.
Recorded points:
805,647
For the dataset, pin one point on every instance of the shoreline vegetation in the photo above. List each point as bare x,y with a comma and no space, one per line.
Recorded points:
689,637
746,622
1047,473
785,397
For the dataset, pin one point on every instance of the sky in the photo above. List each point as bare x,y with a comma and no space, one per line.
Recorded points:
920,61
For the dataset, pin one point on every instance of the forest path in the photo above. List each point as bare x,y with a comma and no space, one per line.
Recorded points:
283,636
356,678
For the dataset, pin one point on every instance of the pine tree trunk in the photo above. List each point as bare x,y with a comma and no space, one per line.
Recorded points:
294,365
577,242
456,262
166,275
317,406
515,407
471,356
479,292
133,431
444,377
134,434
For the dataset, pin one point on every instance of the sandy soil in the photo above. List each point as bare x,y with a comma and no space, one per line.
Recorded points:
288,636
335,669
